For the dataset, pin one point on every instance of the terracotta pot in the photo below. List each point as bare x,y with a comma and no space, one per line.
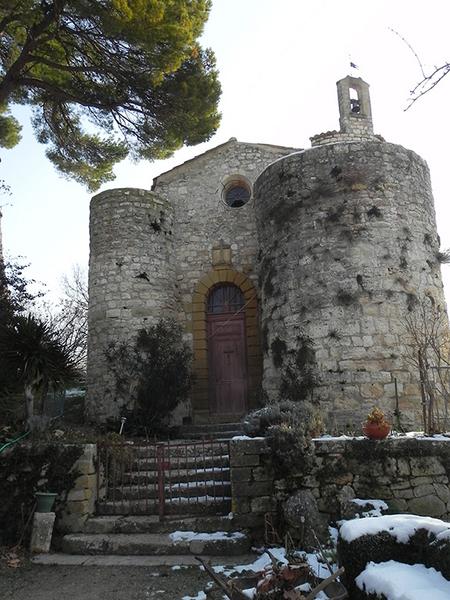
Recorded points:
376,431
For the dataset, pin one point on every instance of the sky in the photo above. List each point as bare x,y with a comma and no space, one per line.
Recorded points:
279,61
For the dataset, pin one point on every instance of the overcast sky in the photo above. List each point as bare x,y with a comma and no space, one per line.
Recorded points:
279,61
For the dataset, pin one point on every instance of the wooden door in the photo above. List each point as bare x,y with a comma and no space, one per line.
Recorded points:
227,363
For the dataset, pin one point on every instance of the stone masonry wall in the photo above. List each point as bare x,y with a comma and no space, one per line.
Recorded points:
81,499
252,481
131,282
410,475
203,221
348,248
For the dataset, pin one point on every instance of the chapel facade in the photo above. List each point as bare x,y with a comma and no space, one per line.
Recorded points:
255,250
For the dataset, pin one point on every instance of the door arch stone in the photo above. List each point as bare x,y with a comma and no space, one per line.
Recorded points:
201,407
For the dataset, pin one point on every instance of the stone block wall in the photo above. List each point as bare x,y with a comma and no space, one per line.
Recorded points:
252,480
81,499
410,475
348,249
204,223
335,137
131,283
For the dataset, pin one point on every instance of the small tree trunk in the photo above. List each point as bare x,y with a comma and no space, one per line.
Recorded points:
29,402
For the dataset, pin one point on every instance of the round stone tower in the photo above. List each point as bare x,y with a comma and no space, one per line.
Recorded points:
131,281
348,248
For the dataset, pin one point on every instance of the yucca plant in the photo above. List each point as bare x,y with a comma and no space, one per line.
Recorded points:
37,361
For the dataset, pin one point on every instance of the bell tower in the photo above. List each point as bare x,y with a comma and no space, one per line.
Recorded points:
355,114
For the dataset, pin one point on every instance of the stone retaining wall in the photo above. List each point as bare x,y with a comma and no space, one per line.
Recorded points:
410,474
80,503
252,480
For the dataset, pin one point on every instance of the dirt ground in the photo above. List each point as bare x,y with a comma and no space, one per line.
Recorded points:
39,582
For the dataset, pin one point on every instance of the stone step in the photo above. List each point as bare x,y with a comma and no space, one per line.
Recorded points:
190,489
178,475
211,427
113,560
223,436
183,449
152,524
219,543
220,431
190,462
206,505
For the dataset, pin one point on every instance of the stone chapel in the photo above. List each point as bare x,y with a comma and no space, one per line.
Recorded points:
254,248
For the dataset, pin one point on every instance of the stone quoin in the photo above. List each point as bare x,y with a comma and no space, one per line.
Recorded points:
253,247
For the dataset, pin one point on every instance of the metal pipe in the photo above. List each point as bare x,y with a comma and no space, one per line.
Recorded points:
11,442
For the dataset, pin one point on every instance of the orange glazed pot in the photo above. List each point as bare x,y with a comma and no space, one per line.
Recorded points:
376,431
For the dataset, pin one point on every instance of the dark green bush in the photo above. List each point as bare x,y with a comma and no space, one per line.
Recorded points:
381,547
287,426
299,374
152,375
25,470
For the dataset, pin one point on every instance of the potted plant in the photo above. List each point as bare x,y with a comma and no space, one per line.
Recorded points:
45,501
376,427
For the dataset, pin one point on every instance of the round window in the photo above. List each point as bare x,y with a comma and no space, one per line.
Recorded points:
237,193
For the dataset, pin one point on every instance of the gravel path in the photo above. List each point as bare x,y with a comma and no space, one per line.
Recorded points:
37,582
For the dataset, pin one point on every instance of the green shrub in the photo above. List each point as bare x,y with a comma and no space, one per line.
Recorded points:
152,375
292,449
28,469
299,374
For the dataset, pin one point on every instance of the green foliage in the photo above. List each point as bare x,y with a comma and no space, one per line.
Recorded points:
106,79
15,293
299,375
258,422
29,469
9,129
15,298
292,449
32,354
154,373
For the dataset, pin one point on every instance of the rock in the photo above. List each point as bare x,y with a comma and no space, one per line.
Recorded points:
41,533
303,519
347,508
429,506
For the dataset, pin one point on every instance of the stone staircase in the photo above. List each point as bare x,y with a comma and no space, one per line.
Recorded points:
137,535
195,521
211,431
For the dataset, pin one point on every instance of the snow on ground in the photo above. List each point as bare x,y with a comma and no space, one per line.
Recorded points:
246,437
398,581
199,596
188,536
401,527
261,563
420,435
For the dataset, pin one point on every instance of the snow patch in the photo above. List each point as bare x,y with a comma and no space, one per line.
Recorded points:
246,437
261,563
398,581
188,536
401,527
199,596
376,511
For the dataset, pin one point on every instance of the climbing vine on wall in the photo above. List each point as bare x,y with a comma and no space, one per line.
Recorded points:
152,375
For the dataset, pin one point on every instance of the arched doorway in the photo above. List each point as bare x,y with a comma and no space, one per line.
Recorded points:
227,357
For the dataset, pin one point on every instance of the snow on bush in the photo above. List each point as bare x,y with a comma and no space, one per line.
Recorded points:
397,581
401,527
